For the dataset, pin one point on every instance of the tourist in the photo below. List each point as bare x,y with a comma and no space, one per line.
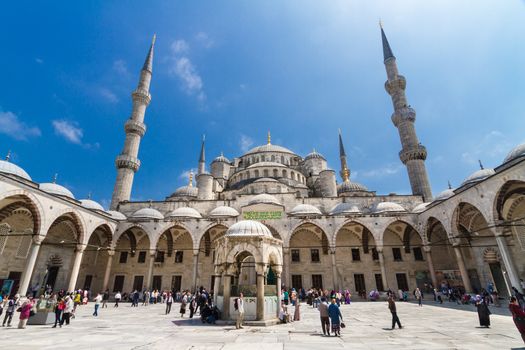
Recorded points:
169,301
323,313
483,312
297,311
335,317
192,301
518,316
419,296
239,307
78,300
519,297
135,299
66,314
183,304
393,311
25,312
105,298
98,300
59,307
285,297
118,296
10,305
145,298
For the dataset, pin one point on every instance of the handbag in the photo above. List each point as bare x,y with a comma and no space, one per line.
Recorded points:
343,325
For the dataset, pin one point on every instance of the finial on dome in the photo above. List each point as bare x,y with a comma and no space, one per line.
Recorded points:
89,195
150,203
269,137
222,154
449,185
480,164
8,156
55,177
191,179
314,150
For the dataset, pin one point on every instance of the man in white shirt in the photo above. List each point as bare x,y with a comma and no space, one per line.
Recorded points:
240,311
118,296
98,300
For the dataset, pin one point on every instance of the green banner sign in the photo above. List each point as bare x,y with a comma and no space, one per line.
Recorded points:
262,215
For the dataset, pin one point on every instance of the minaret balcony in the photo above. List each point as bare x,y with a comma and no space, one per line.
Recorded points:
418,152
135,127
396,84
141,96
129,162
403,114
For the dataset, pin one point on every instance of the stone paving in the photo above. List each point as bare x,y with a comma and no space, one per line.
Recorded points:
427,327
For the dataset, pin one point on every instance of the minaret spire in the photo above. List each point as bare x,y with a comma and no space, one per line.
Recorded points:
202,158
413,153
345,171
269,137
127,162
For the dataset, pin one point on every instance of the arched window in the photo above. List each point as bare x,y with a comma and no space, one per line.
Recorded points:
256,173
273,158
292,175
4,231
275,173
282,159
266,173
285,174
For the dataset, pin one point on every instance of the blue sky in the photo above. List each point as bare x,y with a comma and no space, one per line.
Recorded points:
234,69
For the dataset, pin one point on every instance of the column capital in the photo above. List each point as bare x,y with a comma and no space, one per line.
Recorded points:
426,248
152,253
38,239
111,252
79,248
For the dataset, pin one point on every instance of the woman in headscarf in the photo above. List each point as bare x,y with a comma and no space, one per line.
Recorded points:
335,317
483,312
518,316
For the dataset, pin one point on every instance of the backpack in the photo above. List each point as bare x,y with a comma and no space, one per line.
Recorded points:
236,304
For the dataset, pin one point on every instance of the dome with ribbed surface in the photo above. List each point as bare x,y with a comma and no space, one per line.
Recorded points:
420,207
185,212
269,148
10,168
478,176
91,204
516,152
248,228
345,208
350,186
185,191
314,155
53,188
305,210
116,215
264,198
386,207
147,213
223,212
221,159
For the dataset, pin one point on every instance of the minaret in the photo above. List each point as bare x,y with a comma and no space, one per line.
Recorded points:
202,159
127,162
412,154
345,172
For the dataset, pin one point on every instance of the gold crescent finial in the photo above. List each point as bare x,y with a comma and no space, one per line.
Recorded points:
8,156
55,178
269,137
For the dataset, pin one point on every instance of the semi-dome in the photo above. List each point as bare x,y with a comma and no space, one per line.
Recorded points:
185,191
350,186
269,148
248,228
223,212
91,204
10,168
516,152
185,212
444,195
53,188
386,207
314,155
116,215
345,208
305,210
420,207
264,198
147,213
221,159
267,164
478,176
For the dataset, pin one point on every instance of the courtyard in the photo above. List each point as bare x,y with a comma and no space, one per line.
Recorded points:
368,327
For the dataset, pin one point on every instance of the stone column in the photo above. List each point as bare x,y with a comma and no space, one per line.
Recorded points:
195,267
431,267
105,284
30,265
286,267
226,279
216,288
278,282
334,269
260,297
79,252
508,262
383,268
149,277
462,269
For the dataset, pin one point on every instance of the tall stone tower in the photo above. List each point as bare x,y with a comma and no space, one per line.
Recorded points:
345,171
127,162
202,159
413,153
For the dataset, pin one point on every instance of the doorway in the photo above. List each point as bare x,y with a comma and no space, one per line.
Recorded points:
52,274
499,279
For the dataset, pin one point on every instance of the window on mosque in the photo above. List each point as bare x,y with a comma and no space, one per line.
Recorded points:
142,258
314,253
356,256
296,257
418,254
402,282
317,281
256,173
179,256
123,257
379,282
396,252
375,254
119,283
266,173
159,257
275,171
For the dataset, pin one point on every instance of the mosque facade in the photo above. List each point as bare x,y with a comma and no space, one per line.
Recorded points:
323,233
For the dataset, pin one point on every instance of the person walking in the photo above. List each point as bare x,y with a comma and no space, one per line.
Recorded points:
239,306
335,317
118,296
105,299
483,312
183,304
68,310
518,316
323,313
393,311
169,301
10,307
98,300
135,298
25,313
419,296
297,311
60,305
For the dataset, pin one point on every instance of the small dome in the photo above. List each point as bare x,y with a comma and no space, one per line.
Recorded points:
248,228
90,204
345,208
264,198
53,188
10,168
265,179
223,212
478,176
116,215
444,195
221,159
185,191
314,155
185,212
420,207
350,186
386,207
147,213
270,164
516,152
269,148
305,210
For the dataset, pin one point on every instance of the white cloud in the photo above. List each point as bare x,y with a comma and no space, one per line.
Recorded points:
245,143
120,67
68,130
205,40
14,127
180,46
389,169
39,60
493,146
183,68
107,94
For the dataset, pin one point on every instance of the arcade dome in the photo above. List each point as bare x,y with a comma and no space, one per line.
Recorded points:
147,213
248,228
10,168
